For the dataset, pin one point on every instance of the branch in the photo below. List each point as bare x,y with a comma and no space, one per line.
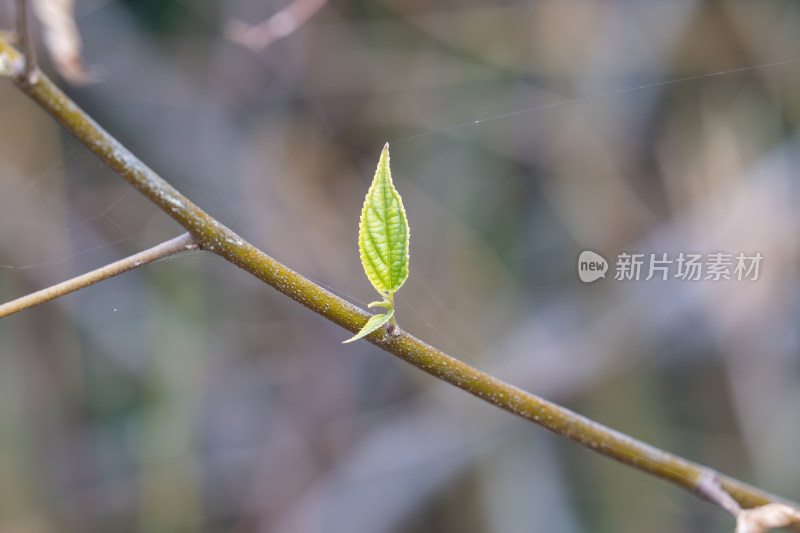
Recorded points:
278,26
25,39
165,249
211,235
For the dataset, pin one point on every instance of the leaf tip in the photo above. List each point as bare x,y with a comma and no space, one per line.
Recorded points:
386,147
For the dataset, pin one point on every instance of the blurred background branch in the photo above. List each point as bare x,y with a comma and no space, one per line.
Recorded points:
62,39
283,23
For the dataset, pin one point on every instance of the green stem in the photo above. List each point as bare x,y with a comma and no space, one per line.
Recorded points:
216,238
392,321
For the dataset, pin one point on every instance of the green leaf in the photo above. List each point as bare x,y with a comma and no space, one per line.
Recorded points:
383,232
372,324
383,243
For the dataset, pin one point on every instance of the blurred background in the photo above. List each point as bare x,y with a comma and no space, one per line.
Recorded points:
188,396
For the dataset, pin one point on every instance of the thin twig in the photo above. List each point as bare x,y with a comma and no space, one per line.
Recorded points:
178,244
25,39
211,235
278,26
710,489
755,520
